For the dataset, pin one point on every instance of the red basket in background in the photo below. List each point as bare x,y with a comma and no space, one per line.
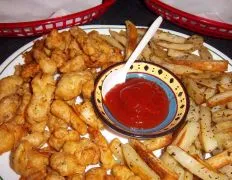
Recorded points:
190,21
33,28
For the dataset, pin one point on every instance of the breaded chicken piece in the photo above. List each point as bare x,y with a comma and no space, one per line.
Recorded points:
99,51
10,135
43,87
87,89
70,85
60,136
37,139
59,57
88,115
8,107
106,157
55,40
55,123
63,111
75,64
86,151
97,173
121,172
66,164
26,160
9,85
30,71
26,95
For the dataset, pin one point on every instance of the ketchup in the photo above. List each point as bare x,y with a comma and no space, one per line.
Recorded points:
138,103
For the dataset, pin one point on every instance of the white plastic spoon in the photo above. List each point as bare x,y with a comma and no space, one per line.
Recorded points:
119,76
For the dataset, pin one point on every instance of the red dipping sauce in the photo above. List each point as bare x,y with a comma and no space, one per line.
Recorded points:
138,103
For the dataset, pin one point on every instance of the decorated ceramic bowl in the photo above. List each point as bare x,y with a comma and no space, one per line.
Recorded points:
178,102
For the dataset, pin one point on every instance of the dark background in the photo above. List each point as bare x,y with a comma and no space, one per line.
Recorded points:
134,10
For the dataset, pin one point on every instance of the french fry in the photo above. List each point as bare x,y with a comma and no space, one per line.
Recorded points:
132,37
181,47
205,65
166,36
196,93
181,69
153,162
193,151
196,40
206,135
222,115
221,98
158,51
158,143
224,139
205,75
211,83
116,148
136,164
112,41
194,166
209,92
194,112
205,54
175,53
225,126
146,53
188,57
227,170
220,160
187,135
173,165
118,37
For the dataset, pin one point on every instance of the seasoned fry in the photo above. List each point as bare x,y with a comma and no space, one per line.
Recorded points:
206,136
181,47
220,160
132,36
205,54
112,41
181,69
166,36
153,162
205,65
158,143
187,135
221,98
173,165
136,164
222,115
194,166
175,53
116,148
118,37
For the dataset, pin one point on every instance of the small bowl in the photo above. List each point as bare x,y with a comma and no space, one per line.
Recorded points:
175,91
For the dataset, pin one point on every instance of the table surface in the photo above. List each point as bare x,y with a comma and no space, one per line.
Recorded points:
134,10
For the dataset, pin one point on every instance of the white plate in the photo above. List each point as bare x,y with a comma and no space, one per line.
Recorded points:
7,68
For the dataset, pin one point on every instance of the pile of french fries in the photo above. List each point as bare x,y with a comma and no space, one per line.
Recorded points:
202,147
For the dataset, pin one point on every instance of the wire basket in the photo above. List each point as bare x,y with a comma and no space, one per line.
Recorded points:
33,28
190,21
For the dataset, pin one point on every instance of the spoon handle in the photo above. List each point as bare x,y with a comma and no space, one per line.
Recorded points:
146,38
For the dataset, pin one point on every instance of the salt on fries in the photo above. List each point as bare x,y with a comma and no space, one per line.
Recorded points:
44,127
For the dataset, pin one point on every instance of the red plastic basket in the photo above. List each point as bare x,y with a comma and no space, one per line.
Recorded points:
33,28
190,21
